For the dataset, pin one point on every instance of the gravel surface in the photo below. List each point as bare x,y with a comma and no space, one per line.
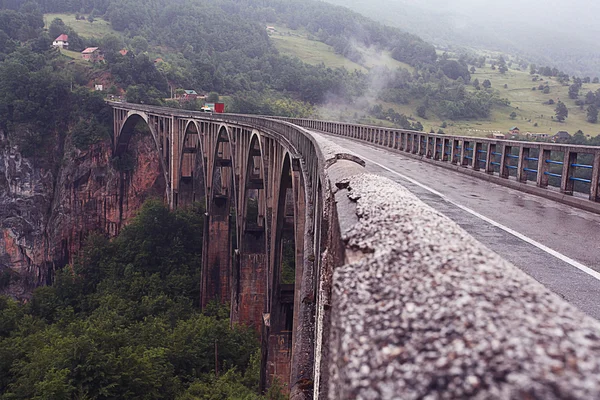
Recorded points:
430,313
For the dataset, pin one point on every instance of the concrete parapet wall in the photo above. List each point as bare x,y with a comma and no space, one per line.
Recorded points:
420,309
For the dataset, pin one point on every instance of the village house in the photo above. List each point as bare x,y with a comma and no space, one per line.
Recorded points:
189,95
561,136
62,41
515,131
92,54
271,29
123,52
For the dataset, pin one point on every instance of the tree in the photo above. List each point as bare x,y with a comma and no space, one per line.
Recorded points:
472,70
579,138
422,111
56,28
476,82
513,115
561,111
574,90
596,80
139,44
111,44
532,69
592,114
212,97
590,98
417,126
487,84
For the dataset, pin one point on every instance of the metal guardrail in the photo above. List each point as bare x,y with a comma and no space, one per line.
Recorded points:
570,168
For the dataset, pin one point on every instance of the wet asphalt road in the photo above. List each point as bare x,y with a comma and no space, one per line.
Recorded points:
542,237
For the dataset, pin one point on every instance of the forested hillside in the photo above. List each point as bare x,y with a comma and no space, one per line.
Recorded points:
561,34
222,46
124,322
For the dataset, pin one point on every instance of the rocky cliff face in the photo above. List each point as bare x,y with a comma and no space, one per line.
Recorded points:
47,212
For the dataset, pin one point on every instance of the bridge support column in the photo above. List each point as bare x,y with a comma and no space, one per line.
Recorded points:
175,157
216,268
250,279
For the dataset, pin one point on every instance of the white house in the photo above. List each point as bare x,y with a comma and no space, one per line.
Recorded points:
62,41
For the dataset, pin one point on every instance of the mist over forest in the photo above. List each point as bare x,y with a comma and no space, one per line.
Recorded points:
559,33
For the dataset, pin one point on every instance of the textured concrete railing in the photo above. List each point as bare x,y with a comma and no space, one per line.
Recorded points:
407,305
569,168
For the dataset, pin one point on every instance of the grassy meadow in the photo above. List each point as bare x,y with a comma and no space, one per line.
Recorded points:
301,44
84,28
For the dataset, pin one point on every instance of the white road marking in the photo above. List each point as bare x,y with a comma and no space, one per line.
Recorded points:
527,239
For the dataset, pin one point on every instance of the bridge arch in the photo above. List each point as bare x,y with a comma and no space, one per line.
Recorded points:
125,133
191,185
251,266
288,268
221,223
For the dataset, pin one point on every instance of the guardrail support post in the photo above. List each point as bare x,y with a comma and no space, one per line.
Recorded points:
506,151
436,148
566,184
489,158
464,153
429,143
477,147
594,186
542,178
521,173
453,151
445,144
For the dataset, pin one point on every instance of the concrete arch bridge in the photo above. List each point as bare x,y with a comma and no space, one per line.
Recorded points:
356,287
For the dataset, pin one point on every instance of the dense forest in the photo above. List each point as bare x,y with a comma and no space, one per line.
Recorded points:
123,322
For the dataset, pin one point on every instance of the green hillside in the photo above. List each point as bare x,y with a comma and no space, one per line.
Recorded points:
83,27
529,104
330,48
299,43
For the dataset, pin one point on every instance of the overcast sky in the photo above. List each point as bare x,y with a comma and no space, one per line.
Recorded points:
569,14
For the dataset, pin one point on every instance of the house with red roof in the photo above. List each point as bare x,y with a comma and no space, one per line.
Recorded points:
123,52
62,41
92,54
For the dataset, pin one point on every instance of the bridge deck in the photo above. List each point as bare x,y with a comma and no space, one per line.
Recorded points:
552,242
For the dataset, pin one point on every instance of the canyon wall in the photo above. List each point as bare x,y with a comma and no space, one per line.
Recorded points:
50,203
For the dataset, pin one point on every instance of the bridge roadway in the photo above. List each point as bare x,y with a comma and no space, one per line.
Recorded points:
556,244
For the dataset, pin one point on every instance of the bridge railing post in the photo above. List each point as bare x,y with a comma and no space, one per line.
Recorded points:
477,149
455,151
522,165
566,184
595,184
490,157
504,161
464,153
543,167
437,150
446,149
